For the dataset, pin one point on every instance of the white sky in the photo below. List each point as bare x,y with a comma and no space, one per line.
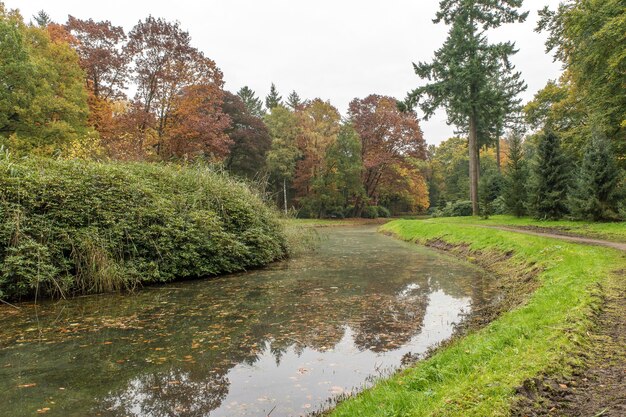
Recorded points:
332,49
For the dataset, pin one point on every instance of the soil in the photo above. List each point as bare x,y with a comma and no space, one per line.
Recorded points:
598,388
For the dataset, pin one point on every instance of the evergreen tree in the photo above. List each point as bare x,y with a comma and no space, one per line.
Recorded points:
596,195
273,99
516,178
467,73
42,18
491,185
252,102
294,101
548,197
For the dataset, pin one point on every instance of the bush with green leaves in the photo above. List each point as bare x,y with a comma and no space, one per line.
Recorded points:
76,227
370,212
459,208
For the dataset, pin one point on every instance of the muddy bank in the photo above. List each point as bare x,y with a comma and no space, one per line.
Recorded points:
595,388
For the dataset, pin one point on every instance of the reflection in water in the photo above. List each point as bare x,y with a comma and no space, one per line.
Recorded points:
280,340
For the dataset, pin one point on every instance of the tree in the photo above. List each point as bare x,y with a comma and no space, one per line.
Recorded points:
388,138
252,102
100,48
587,36
42,19
45,108
180,87
450,174
596,194
17,72
284,153
467,71
516,178
550,179
197,126
319,125
294,101
250,138
273,99
491,185
339,181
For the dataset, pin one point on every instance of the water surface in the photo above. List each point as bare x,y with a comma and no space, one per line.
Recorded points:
278,341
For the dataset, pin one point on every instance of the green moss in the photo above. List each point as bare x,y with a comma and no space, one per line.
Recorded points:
71,227
477,375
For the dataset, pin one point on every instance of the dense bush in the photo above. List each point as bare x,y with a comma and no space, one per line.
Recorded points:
81,227
457,209
383,211
370,212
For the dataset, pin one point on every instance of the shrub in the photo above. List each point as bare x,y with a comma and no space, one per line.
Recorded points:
370,212
383,211
457,209
69,227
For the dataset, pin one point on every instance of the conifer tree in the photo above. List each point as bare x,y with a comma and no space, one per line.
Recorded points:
252,102
516,178
550,179
42,18
596,195
294,101
466,74
273,99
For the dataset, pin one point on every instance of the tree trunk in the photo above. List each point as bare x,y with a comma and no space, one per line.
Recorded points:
285,193
498,162
473,164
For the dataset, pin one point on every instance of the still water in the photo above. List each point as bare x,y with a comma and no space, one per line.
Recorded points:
280,341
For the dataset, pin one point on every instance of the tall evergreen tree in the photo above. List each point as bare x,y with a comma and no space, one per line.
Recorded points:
42,19
596,195
464,73
548,197
252,102
516,178
294,101
273,99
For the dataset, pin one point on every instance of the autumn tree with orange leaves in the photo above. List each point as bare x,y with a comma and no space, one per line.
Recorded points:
391,142
182,89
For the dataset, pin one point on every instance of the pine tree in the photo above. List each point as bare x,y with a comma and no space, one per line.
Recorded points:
252,102
294,101
596,195
42,18
273,99
516,177
466,76
550,179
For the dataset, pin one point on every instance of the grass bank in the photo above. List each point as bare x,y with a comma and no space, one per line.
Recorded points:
615,231
477,375
75,227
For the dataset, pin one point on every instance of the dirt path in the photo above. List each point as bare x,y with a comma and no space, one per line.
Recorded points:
575,239
598,388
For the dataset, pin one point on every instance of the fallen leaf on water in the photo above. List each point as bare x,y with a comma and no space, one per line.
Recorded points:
27,385
43,410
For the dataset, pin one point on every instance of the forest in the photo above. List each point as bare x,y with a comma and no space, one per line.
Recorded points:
87,89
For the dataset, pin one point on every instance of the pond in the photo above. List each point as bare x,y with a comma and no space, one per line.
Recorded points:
281,341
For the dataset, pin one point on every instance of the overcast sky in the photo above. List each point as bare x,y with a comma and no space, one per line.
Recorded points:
333,49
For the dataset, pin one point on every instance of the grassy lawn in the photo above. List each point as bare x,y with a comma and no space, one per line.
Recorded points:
609,231
477,375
